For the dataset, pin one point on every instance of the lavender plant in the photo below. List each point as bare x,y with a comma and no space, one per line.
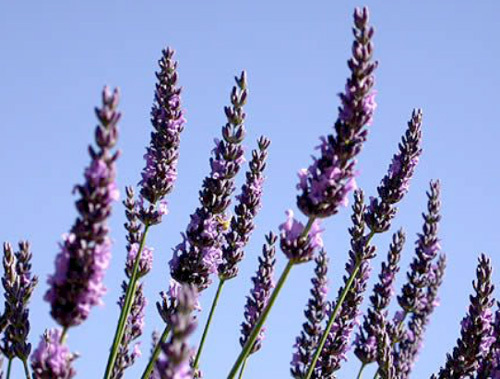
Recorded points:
215,243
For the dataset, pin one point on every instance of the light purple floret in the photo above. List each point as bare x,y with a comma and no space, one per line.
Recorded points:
52,359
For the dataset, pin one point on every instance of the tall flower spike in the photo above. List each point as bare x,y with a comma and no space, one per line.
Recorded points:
384,350
76,286
18,284
298,247
308,340
200,253
263,284
162,155
174,360
52,358
408,343
361,252
413,297
490,366
397,181
476,335
133,331
326,183
366,342
249,202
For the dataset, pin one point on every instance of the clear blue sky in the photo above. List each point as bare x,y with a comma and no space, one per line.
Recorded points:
440,56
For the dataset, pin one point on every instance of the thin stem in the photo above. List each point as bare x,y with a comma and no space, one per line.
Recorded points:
9,367
127,306
209,321
243,366
308,226
156,352
260,322
63,334
336,310
26,368
360,372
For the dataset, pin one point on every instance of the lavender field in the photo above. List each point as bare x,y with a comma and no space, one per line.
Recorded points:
249,190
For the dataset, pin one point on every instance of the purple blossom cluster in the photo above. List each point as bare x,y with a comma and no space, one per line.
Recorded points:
174,360
200,253
317,308
52,359
325,184
77,284
263,284
249,203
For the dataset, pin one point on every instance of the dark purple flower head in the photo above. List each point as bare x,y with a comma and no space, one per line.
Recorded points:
297,245
409,342
134,327
490,366
360,254
366,342
326,183
412,298
477,333
395,184
173,363
386,369
52,358
308,340
200,253
249,202
85,252
18,284
263,284
162,155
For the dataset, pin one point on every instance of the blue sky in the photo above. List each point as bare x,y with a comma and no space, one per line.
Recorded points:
440,56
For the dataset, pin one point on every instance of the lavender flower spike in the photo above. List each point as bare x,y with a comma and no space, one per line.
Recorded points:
263,284
297,247
360,254
249,202
77,284
395,184
366,346
326,183
315,313
133,330
52,359
173,363
19,284
409,342
490,367
476,335
200,253
162,155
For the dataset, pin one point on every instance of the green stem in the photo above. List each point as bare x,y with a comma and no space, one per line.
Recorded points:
260,322
26,368
243,368
9,366
360,372
156,352
209,321
63,334
336,310
127,306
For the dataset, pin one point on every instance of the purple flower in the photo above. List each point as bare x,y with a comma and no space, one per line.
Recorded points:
308,340
263,284
146,262
360,254
200,253
52,359
325,184
249,202
173,362
77,284
162,155
366,342
476,335
396,182
490,366
18,284
297,245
